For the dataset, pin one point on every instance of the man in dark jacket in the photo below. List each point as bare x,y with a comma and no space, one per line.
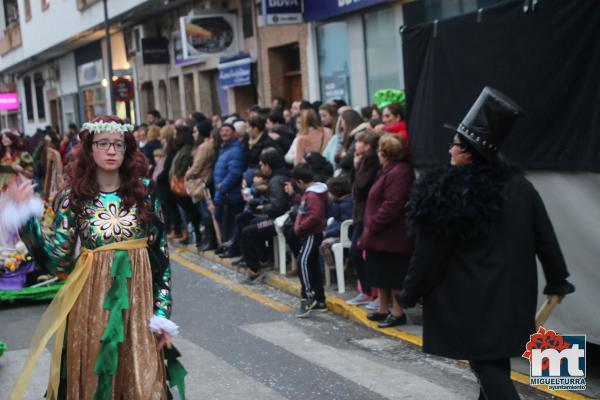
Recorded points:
480,225
228,180
308,227
262,228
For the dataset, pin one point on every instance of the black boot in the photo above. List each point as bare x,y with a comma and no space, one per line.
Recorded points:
209,241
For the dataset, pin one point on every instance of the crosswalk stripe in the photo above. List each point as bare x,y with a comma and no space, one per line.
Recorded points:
209,377
350,364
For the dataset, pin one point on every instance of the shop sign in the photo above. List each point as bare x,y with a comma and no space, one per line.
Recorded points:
209,35
155,51
9,101
335,87
315,10
235,71
178,57
278,12
123,89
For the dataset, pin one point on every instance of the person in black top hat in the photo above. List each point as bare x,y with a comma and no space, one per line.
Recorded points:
479,226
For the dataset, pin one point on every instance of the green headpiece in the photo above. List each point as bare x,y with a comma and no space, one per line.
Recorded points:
385,97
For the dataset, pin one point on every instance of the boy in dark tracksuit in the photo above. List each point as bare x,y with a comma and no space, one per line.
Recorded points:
309,225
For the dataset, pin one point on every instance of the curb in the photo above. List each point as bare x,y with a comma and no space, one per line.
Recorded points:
356,314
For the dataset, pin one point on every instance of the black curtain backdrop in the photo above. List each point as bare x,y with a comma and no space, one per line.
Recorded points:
547,60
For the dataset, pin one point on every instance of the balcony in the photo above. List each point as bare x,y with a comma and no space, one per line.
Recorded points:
11,39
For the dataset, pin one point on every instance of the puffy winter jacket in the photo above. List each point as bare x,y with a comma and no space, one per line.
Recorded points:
228,173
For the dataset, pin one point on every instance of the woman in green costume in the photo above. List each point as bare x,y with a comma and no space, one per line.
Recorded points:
14,161
111,321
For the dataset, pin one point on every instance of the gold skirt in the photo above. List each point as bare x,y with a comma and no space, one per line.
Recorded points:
141,371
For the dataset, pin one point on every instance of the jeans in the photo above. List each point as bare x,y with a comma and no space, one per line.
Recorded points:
225,214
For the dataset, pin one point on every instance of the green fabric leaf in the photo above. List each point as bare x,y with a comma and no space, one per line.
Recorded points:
34,294
176,373
115,301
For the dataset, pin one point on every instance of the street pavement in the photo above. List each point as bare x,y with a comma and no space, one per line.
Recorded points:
245,343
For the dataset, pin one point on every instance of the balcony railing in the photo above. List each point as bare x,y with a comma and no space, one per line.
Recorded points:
11,39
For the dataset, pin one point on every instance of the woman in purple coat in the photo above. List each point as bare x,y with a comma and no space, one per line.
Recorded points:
385,238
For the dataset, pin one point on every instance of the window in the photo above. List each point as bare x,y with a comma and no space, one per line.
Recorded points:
382,51
38,81
11,12
334,72
28,98
247,20
27,10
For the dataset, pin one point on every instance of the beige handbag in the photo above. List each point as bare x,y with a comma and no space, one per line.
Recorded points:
195,188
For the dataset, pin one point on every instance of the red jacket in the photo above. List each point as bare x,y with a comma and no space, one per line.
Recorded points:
385,227
312,212
398,129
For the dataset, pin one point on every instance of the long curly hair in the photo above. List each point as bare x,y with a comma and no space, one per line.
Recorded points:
81,173
16,146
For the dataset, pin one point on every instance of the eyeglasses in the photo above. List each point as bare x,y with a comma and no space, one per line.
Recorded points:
458,144
104,145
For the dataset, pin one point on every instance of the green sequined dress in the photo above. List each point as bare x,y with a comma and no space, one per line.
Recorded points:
110,351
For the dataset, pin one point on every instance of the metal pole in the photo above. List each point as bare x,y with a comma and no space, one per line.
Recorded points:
109,54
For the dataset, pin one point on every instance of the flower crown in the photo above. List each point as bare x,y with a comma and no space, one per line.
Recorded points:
111,127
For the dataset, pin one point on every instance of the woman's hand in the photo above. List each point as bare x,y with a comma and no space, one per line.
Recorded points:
17,168
211,208
164,339
21,192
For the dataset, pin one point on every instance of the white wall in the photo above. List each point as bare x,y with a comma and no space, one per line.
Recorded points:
572,203
357,60
60,22
68,74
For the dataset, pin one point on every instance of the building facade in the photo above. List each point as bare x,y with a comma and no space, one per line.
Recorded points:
53,55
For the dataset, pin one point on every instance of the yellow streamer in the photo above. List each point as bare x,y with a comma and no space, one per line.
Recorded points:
54,319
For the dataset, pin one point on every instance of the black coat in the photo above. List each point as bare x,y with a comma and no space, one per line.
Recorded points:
362,179
278,200
253,154
478,231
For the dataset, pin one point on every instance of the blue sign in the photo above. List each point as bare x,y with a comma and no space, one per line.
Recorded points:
315,10
235,71
282,11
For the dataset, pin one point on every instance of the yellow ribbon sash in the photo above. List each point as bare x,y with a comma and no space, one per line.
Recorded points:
54,319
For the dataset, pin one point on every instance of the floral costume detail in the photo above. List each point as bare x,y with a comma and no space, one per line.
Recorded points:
109,350
7,175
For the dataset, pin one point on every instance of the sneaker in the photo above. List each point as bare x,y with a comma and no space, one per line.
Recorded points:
360,299
306,305
320,307
253,279
373,305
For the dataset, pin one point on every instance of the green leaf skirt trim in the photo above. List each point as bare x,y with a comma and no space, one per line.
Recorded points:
116,301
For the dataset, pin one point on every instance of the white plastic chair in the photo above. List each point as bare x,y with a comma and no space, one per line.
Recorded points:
338,254
279,244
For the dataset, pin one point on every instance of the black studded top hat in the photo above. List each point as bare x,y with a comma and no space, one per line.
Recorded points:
489,121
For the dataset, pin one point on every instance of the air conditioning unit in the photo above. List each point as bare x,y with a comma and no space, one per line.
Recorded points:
134,40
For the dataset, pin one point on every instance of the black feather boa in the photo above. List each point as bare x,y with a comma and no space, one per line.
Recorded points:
458,202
